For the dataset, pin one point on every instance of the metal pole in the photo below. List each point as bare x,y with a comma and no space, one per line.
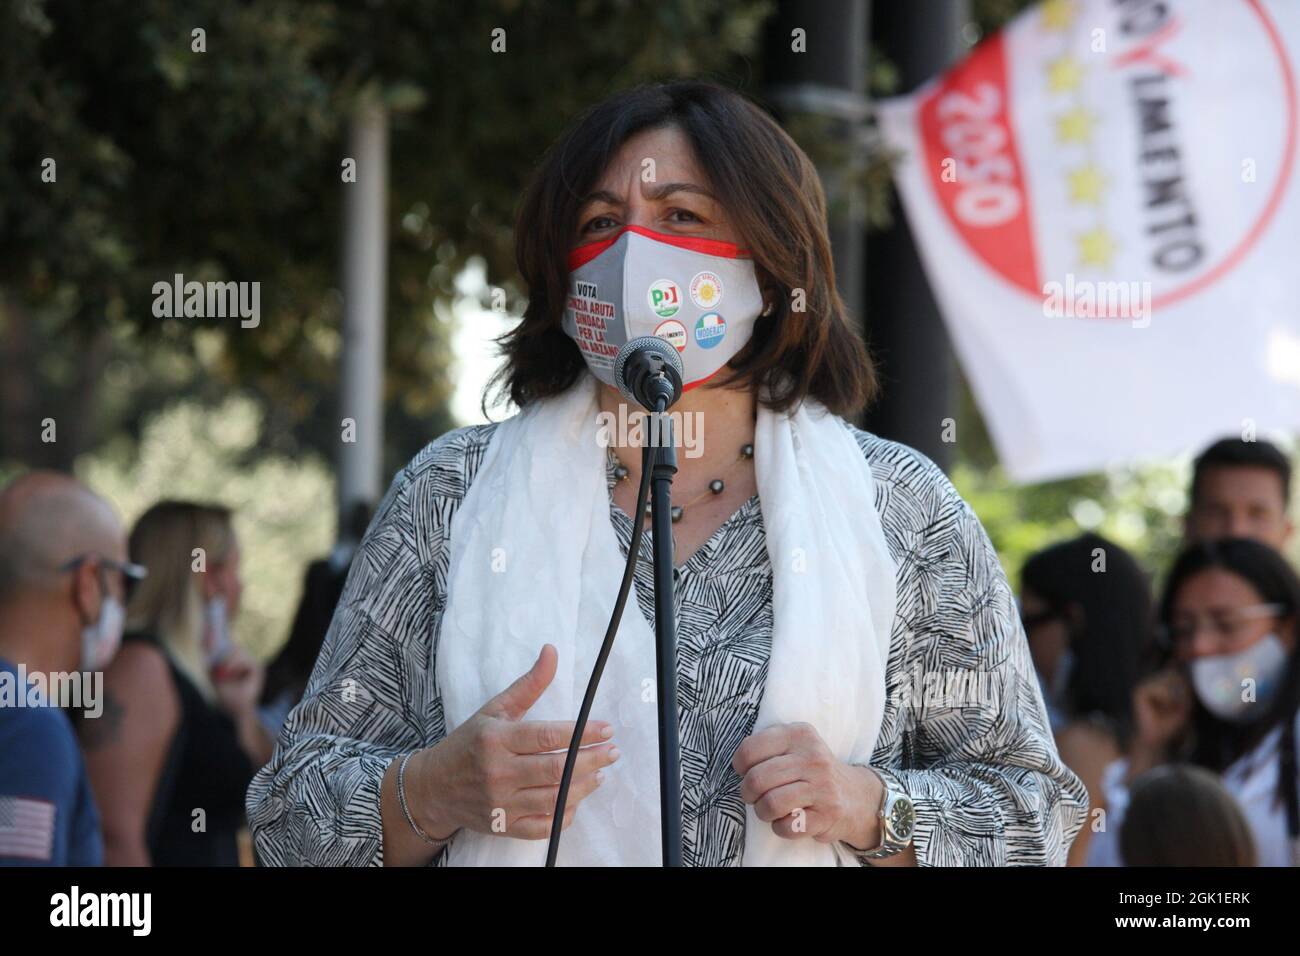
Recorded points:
815,57
670,761
905,330
365,253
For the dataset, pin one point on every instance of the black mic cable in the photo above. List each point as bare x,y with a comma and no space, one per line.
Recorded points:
633,551
648,371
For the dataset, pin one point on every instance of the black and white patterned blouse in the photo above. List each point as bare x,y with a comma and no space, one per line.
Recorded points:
964,732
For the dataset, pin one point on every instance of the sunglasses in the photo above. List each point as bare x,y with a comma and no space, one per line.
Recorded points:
128,569
1029,621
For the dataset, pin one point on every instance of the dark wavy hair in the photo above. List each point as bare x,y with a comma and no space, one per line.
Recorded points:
1114,628
771,192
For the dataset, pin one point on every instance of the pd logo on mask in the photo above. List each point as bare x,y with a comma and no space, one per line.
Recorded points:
665,298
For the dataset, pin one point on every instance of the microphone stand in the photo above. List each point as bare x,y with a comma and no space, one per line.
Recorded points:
664,455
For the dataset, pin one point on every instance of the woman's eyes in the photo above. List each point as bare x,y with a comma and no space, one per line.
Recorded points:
595,224
601,223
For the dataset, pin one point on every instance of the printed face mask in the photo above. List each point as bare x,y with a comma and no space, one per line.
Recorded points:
1218,680
699,295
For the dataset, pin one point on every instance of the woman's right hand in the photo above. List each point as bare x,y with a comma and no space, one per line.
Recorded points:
498,773
1162,706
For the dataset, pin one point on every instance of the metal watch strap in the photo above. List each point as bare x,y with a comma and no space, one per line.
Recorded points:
889,846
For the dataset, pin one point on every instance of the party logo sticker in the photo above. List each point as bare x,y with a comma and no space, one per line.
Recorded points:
709,330
672,332
706,290
665,298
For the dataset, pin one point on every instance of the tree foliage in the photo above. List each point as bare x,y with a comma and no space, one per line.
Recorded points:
225,163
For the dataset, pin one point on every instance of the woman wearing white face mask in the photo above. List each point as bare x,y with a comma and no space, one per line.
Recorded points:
823,574
1226,697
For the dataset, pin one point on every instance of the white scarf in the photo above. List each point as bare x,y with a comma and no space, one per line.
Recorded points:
535,560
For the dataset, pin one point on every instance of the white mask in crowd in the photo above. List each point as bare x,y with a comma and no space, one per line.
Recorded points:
217,644
699,295
1218,679
100,640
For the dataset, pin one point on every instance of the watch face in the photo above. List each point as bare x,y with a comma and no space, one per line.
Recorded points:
902,817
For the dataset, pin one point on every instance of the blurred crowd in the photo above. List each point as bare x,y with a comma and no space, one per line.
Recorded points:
1180,714
1178,710
149,763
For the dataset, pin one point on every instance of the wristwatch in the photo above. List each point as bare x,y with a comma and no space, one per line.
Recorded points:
897,821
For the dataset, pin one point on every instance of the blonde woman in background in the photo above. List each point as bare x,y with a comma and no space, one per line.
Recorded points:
179,740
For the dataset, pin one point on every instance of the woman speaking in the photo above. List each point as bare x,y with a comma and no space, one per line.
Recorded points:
854,686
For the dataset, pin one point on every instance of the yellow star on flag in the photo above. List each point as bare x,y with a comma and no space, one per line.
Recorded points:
1058,14
1096,248
1064,74
1075,126
1086,184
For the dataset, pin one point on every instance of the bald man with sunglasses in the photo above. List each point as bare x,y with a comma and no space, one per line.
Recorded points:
63,573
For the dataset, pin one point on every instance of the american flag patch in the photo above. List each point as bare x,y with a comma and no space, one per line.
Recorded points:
26,828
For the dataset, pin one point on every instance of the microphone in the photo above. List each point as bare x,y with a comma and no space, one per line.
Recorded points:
647,371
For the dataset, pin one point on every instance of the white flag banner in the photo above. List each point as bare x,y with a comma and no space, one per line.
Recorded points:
1105,199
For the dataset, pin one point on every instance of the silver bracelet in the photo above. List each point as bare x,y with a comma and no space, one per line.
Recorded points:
406,811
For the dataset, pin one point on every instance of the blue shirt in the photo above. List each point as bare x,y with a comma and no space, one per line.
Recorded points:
41,768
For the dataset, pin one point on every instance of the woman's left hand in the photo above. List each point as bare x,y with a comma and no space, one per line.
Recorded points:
238,682
796,784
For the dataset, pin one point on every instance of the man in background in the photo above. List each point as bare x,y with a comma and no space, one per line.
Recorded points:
1240,489
62,593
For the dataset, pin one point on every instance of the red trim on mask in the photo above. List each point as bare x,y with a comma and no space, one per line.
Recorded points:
581,255
700,381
